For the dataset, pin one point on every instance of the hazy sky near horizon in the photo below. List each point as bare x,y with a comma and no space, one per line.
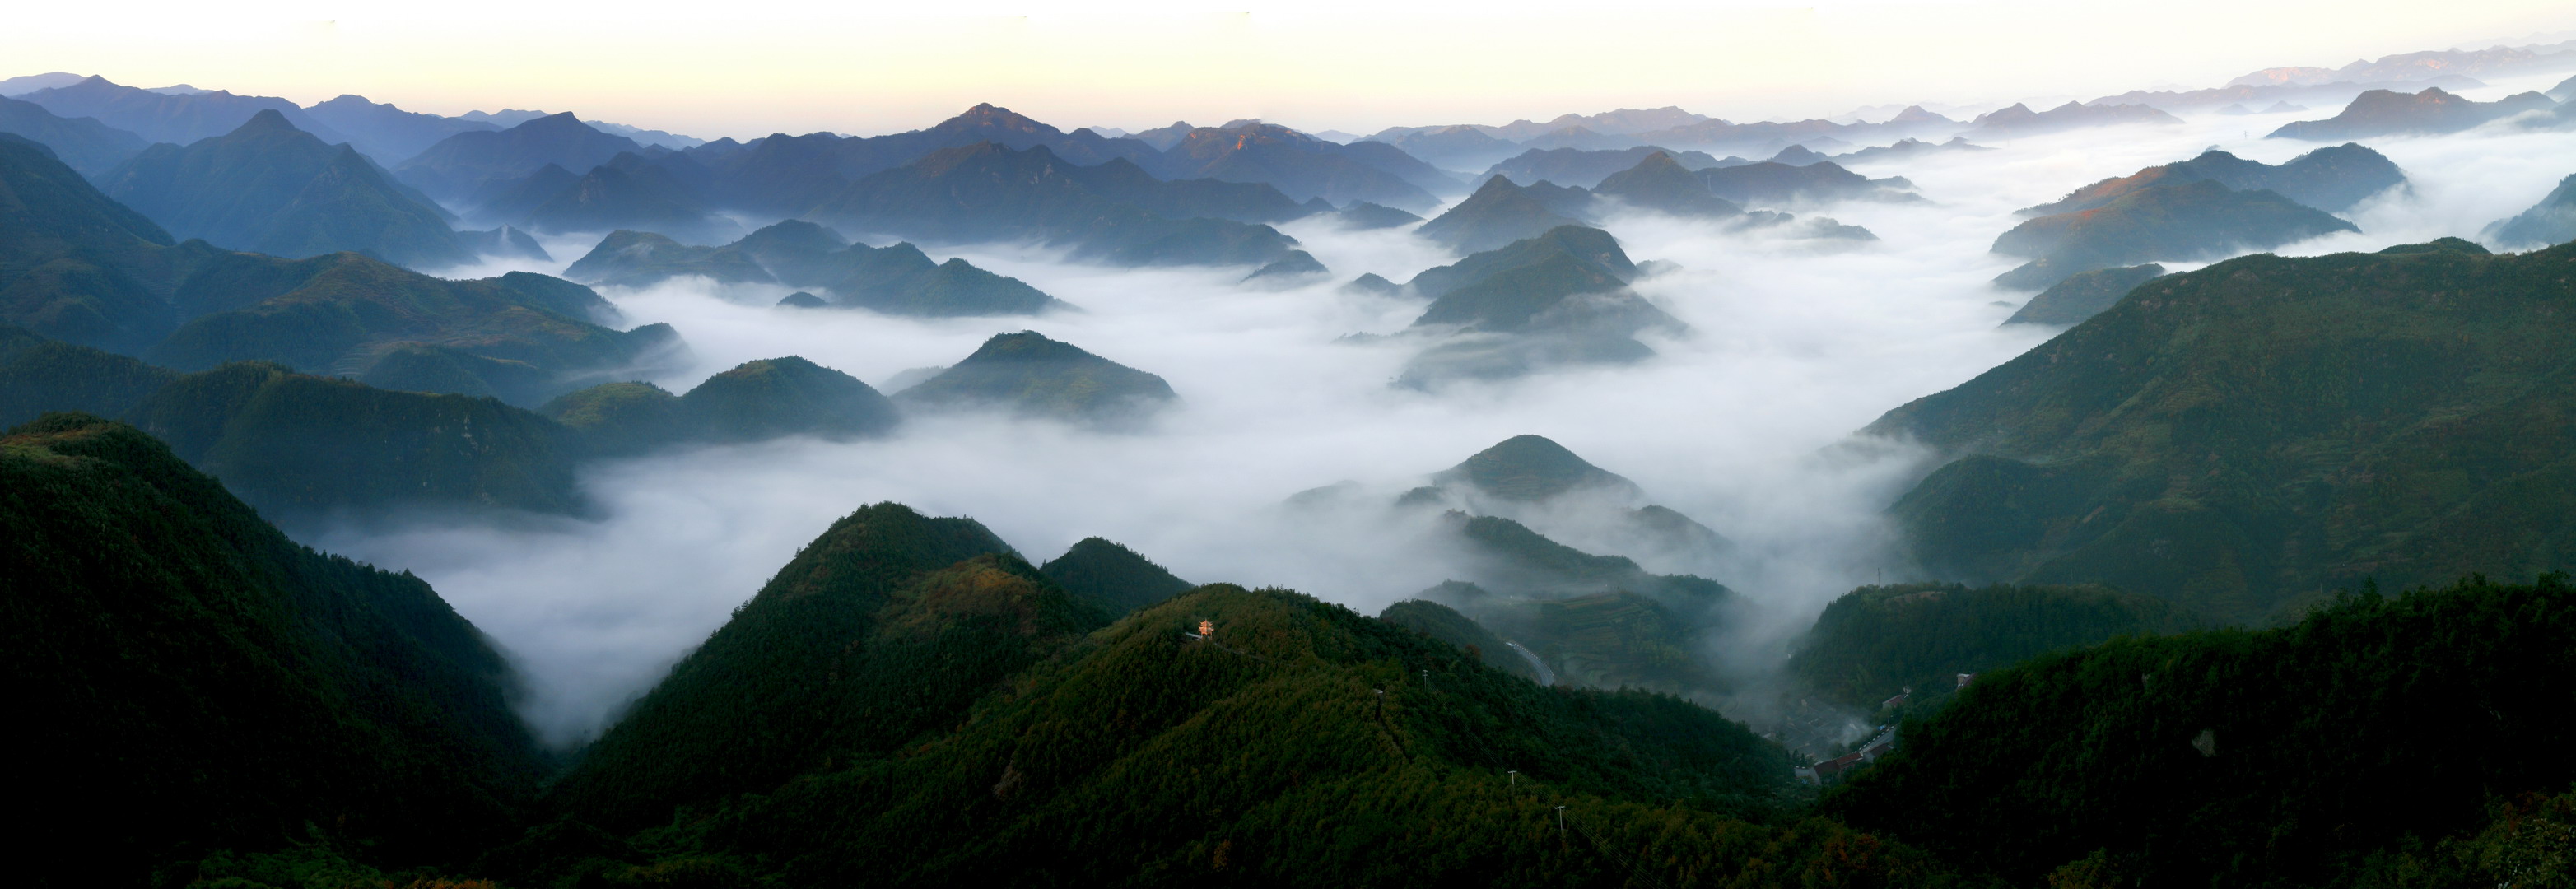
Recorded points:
746,69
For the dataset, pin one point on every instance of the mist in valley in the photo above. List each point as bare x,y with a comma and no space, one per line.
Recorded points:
1743,424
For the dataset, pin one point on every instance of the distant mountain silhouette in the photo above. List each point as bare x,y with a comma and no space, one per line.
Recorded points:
896,280
1239,201
1586,168
467,163
176,119
629,192
1908,148
2018,120
270,188
1365,216
1559,298
986,192
86,145
1459,147
1658,183
2331,179
1772,184
2178,222
1302,166
2383,112
386,133
1497,214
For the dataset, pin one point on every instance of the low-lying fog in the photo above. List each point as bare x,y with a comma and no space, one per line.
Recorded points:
1794,346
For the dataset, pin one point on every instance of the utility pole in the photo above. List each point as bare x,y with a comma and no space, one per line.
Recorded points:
1560,825
1516,777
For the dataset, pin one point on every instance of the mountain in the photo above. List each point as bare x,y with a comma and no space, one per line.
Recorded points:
1027,374
777,397
206,683
1660,184
989,192
1597,621
521,337
301,447
1915,639
1585,169
1270,719
2383,416
629,193
467,163
2084,294
508,201
2331,179
1904,148
2017,120
24,84
1772,183
2421,755
639,259
1531,468
1560,298
1796,156
1498,214
1112,577
1459,147
78,266
386,133
1302,166
888,625
1253,202
988,123
270,188
1447,625
83,143
1365,216
176,119
896,280
2384,112
2181,222
2565,91
2552,221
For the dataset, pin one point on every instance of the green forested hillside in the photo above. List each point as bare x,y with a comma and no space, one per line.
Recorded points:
2266,429
1112,577
190,679
1297,744
77,266
271,188
1028,374
2341,751
888,625
1880,641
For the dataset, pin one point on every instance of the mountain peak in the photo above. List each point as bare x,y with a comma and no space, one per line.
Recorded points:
268,120
1531,467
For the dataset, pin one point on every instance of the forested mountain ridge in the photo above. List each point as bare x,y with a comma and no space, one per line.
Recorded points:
201,682
2177,445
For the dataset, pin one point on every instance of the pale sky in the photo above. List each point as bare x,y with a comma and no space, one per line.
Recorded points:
714,68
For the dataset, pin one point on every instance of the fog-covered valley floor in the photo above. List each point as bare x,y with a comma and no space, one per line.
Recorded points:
1742,424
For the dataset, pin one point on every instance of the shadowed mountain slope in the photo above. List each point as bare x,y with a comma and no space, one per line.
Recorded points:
83,143
2180,222
1028,374
270,188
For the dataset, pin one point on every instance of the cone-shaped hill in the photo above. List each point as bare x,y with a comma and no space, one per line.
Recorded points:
1113,577
1496,215
1302,166
1531,468
990,192
2383,112
1658,183
1773,184
270,188
2552,221
203,682
1030,375
1585,168
2186,221
76,265
775,397
638,259
2331,179
1559,298
2018,120
2410,411
887,626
